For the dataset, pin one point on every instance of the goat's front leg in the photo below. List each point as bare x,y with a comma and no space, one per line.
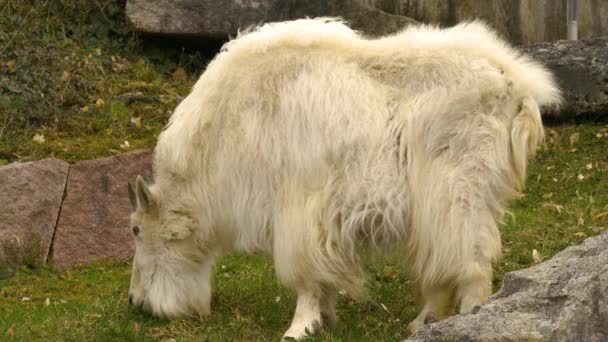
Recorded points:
307,316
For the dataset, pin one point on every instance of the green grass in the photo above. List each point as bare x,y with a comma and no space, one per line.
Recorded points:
90,303
71,72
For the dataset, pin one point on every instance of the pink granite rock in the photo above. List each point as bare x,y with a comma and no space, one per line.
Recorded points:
94,219
30,199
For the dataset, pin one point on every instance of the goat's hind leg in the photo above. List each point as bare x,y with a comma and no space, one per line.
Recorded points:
438,304
475,287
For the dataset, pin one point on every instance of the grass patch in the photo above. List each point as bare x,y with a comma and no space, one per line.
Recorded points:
90,303
75,84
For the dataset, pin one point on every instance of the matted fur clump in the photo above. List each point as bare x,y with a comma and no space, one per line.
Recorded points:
306,140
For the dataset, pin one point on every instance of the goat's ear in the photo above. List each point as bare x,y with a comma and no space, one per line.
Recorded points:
143,197
132,196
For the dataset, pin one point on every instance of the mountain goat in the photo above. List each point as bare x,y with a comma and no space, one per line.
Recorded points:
320,146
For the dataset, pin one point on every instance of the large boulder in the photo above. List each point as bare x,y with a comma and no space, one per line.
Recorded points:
519,21
94,219
221,19
562,299
581,68
30,198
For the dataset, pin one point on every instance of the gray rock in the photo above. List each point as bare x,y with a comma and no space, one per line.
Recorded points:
581,67
562,299
30,198
94,219
221,19
518,21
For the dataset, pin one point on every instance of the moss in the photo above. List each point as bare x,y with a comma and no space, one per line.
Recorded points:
71,73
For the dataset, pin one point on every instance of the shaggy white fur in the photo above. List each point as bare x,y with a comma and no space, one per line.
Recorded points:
306,140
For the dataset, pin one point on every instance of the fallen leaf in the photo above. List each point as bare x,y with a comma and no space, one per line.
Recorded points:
100,102
39,138
136,120
580,235
11,331
277,299
65,76
581,221
536,256
599,216
84,109
553,206
554,137
580,176
575,138
181,74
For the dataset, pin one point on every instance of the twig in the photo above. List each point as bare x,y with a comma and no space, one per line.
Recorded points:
102,12
21,26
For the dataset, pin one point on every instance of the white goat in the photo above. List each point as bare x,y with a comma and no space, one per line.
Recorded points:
308,141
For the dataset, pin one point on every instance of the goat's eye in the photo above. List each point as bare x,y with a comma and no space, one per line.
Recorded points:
135,230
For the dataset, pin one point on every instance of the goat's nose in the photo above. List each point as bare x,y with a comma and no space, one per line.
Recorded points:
131,299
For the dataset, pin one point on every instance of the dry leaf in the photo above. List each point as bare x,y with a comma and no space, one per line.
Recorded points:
100,103
553,206
136,120
181,74
39,138
599,216
11,331
84,109
580,235
581,221
554,137
277,299
536,256
589,166
580,176
65,76
575,138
